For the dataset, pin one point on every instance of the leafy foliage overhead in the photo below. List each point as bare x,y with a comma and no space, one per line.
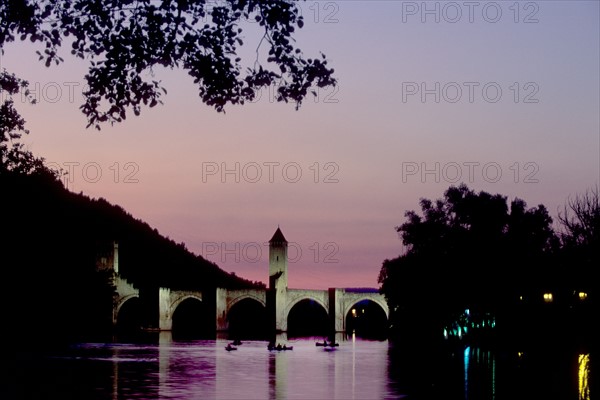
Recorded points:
125,39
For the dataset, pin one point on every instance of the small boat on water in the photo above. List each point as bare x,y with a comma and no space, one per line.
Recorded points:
229,347
279,347
237,342
325,343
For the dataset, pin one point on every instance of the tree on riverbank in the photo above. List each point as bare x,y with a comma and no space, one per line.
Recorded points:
467,251
580,236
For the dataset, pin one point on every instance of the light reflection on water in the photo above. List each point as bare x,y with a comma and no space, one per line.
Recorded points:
205,370
583,376
358,369
480,373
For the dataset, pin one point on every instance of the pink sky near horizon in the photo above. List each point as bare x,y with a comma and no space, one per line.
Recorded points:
360,137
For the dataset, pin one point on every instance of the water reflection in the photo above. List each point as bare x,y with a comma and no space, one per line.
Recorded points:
277,376
465,373
359,369
583,376
203,369
480,373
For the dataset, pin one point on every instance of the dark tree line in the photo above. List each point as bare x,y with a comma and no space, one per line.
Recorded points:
479,252
52,240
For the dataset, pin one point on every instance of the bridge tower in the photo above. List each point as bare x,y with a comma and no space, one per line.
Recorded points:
278,266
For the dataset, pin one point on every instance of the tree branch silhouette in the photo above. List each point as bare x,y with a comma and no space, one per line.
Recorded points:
124,40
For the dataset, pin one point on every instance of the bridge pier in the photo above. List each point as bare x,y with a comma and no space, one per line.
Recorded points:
277,308
165,320
336,318
221,310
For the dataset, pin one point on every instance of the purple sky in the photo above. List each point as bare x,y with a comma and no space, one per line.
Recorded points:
503,98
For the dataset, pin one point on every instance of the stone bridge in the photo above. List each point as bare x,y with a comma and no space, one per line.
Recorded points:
278,300
337,303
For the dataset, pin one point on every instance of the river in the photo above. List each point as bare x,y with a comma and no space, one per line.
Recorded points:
164,368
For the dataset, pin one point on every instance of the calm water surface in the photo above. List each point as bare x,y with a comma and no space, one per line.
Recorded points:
358,369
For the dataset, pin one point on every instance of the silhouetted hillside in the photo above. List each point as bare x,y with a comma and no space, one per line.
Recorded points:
51,240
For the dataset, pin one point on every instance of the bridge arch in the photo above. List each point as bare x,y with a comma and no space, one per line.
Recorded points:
295,301
191,318
307,316
351,303
247,296
173,306
247,318
366,317
127,314
120,302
